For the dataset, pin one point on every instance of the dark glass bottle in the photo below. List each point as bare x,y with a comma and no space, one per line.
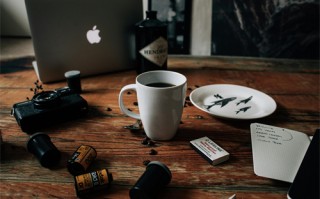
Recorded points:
151,44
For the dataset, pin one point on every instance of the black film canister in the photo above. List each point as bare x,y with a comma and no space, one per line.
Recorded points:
73,80
41,146
156,177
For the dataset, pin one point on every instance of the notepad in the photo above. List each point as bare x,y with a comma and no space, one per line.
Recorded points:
277,152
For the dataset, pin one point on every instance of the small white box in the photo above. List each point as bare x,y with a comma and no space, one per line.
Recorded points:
212,152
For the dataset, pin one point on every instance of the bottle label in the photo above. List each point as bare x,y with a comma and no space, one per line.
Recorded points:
156,52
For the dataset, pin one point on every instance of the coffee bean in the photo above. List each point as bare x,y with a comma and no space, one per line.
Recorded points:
146,162
151,143
145,141
153,152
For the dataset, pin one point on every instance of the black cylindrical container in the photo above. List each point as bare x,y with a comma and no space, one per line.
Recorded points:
92,182
46,152
151,44
155,178
81,159
74,80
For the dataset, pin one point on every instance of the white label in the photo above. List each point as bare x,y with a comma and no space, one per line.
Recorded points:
156,52
211,150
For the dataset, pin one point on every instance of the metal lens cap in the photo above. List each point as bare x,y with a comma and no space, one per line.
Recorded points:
46,99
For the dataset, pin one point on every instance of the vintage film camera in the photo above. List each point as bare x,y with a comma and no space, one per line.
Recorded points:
47,108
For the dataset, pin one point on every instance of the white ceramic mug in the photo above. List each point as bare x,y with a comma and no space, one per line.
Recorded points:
160,107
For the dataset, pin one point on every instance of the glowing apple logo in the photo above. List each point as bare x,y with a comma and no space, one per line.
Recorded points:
93,35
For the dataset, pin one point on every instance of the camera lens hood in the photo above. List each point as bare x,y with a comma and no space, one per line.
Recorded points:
46,99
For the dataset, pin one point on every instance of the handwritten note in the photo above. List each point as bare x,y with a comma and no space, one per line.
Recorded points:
272,135
277,152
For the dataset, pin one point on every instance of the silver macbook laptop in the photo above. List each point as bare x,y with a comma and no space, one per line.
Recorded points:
13,18
92,36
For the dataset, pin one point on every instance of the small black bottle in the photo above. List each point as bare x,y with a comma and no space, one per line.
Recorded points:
151,44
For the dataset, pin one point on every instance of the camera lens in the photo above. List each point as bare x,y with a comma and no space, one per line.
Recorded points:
46,99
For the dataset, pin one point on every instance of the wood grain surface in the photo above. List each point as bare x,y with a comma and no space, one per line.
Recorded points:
293,84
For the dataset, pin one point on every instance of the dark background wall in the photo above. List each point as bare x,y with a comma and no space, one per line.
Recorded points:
266,28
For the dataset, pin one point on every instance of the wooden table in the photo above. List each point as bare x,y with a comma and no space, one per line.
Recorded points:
294,85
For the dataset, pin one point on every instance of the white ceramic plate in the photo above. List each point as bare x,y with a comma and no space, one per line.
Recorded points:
233,101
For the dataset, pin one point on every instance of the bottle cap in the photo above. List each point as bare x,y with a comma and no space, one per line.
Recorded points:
41,146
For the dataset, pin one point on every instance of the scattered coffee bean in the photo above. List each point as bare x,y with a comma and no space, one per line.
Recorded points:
129,93
145,141
151,143
190,89
197,86
37,89
135,103
146,162
181,122
187,98
153,152
129,109
109,109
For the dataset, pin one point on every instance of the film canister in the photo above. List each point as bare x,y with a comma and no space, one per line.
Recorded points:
156,177
81,159
91,182
73,80
46,152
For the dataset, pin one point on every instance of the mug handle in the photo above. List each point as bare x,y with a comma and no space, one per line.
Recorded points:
123,108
